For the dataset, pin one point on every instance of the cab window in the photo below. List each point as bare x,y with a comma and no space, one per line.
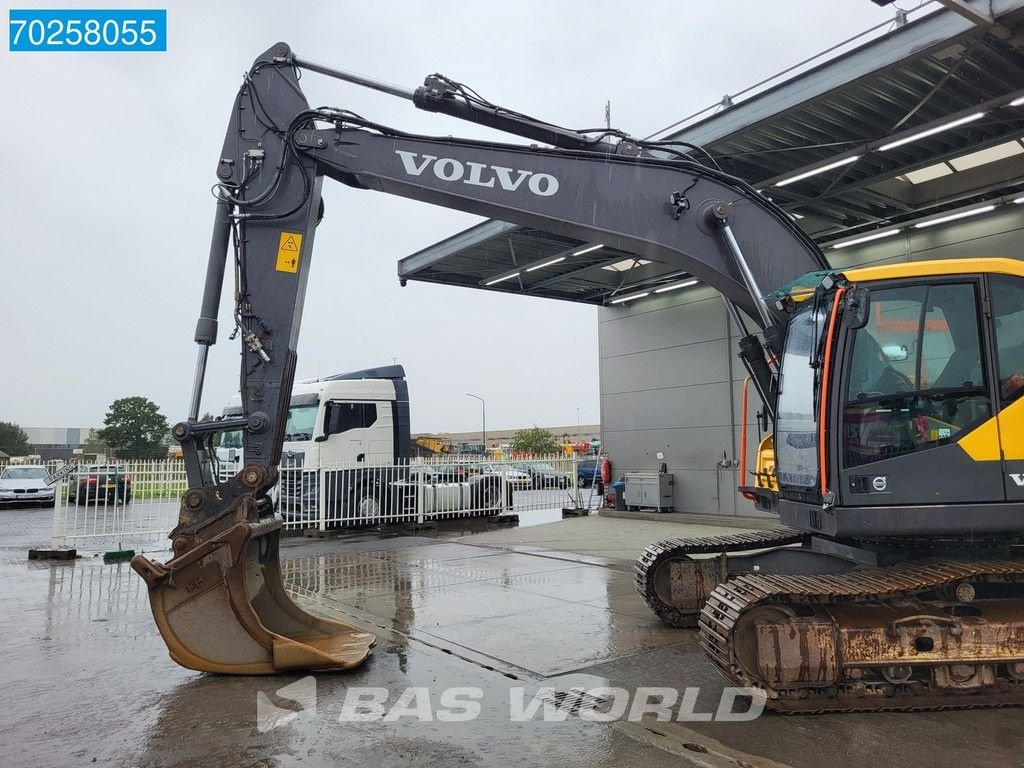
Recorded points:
1008,318
916,378
341,417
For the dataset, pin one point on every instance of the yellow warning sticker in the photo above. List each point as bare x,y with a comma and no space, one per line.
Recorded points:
288,250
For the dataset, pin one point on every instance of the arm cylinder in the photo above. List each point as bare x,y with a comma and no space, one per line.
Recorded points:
206,328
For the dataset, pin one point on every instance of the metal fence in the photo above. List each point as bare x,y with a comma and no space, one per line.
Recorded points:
135,504
102,507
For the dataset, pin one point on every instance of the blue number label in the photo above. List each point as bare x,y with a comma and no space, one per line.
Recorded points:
88,30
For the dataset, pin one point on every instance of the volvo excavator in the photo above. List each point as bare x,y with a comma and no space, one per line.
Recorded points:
896,457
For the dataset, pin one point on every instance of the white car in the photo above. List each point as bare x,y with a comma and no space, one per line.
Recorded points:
516,478
25,482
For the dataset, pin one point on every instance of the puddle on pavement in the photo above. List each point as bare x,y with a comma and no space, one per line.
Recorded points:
528,612
88,679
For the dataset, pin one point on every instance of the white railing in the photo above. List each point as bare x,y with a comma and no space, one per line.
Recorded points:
135,504
112,506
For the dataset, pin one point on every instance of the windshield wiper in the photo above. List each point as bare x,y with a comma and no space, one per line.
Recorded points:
935,393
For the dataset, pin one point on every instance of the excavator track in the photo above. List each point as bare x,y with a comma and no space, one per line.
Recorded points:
675,586
907,637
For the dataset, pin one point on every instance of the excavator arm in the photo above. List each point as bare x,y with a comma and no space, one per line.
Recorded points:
219,602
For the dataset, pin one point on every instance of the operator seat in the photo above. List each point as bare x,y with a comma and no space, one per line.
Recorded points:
962,369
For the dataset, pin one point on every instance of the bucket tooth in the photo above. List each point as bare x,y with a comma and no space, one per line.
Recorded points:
221,606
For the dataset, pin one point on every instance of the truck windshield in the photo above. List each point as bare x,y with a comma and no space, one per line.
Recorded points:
301,419
796,434
231,439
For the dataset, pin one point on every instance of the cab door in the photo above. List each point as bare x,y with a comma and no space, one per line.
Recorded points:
346,426
917,389
1006,296
379,433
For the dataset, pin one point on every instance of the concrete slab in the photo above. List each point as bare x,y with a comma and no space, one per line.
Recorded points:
689,518
612,538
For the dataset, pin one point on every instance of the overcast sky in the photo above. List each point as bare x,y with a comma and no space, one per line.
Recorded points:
108,161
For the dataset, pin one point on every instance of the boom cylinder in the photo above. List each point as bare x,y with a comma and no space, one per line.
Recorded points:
206,327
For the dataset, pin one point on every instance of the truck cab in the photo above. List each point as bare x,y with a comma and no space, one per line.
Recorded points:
347,419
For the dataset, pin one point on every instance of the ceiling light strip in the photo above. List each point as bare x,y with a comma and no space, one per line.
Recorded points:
931,131
588,250
868,238
497,280
634,297
816,171
545,264
677,286
955,216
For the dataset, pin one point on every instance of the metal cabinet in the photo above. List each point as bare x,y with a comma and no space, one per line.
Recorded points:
649,490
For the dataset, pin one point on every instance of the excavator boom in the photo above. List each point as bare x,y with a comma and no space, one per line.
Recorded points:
219,601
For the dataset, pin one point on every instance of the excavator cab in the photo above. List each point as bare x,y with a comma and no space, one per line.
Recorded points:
867,411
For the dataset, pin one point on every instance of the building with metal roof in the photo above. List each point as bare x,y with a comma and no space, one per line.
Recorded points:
907,146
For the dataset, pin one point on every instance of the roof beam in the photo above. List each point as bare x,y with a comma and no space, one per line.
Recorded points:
976,15
934,31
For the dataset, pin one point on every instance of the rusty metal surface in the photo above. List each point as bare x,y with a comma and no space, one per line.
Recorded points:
675,587
875,638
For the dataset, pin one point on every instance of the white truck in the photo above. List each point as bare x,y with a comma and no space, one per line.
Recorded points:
350,433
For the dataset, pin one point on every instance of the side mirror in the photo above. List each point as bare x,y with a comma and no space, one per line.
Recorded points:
858,304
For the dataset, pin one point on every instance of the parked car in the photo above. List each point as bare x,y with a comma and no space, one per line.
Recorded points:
25,483
589,470
101,482
544,475
456,473
516,478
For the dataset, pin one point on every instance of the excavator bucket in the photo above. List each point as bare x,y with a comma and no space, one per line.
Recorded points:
221,606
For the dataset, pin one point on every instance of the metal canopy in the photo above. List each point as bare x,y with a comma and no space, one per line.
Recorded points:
530,261
921,77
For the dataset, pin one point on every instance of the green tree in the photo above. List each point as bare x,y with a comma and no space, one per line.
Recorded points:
134,429
534,440
93,444
13,440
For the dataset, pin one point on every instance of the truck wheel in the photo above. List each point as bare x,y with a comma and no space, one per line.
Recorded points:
367,504
487,495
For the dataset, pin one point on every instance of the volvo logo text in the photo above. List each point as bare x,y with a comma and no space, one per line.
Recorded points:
478,174
1018,479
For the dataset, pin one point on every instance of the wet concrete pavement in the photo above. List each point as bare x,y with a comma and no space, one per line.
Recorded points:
86,677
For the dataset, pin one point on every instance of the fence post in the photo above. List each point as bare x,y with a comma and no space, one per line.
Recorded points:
421,492
58,534
321,494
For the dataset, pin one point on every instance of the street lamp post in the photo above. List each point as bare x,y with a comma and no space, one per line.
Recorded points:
483,417
577,425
